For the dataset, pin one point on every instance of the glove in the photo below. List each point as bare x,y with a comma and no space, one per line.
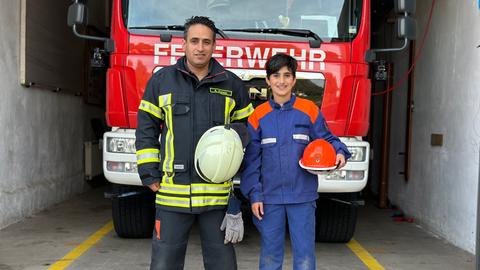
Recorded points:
232,223
233,227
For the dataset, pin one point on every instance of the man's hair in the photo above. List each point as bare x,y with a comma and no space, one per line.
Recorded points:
199,20
278,61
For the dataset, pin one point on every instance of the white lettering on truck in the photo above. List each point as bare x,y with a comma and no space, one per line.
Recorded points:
246,57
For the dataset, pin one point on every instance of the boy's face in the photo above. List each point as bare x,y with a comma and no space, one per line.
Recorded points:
199,45
282,83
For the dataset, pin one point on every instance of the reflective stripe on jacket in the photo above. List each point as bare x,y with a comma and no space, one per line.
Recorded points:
176,109
279,134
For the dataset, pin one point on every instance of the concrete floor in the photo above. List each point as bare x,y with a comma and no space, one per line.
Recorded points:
40,241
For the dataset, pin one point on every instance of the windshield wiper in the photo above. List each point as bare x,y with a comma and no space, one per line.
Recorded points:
174,27
283,31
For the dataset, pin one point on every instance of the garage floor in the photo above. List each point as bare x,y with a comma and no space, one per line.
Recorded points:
77,234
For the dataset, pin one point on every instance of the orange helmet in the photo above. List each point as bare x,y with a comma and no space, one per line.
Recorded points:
318,156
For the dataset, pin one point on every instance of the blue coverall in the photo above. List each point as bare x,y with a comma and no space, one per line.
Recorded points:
279,135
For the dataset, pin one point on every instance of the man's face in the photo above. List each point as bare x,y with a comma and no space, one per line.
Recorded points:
282,83
199,45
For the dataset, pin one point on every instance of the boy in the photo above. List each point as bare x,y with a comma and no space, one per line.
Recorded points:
277,187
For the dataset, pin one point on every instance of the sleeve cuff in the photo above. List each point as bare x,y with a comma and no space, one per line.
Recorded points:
150,180
344,153
256,197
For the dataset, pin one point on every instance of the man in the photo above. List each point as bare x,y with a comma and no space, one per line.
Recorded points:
180,103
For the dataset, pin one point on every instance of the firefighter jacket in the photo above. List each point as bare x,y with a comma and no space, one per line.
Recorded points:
176,109
279,134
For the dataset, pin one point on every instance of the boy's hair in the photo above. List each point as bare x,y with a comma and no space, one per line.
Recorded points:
199,20
278,61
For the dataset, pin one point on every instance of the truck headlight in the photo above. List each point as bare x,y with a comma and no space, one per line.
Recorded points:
121,145
358,153
344,175
124,167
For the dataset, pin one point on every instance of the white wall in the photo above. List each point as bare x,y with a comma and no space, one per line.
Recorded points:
41,149
442,191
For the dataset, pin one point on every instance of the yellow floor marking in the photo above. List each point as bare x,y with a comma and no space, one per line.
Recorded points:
364,256
80,249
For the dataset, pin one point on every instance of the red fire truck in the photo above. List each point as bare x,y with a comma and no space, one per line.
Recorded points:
330,40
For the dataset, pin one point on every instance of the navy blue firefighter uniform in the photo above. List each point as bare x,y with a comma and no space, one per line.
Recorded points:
176,109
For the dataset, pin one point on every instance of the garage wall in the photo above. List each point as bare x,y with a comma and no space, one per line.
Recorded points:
41,150
442,191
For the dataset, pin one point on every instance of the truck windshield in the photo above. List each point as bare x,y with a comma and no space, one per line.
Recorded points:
330,20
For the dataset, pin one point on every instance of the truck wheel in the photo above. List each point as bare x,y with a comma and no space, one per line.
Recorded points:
335,221
133,216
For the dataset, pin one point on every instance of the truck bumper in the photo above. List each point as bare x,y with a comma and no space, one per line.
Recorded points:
121,168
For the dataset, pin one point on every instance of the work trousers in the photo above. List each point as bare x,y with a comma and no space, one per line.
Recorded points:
301,225
170,238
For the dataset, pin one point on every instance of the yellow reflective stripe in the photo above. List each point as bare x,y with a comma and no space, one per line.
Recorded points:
198,201
173,204
150,108
173,201
224,184
214,191
148,150
174,189
212,188
169,153
167,177
165,102
227,114
148,155
229,105
245,112
147,160
180,199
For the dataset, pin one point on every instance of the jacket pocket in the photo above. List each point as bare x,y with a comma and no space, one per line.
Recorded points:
301,134
269,157
181,104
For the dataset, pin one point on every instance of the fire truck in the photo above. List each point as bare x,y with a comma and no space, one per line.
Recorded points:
330,40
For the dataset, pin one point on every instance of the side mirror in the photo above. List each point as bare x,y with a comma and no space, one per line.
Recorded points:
405,25
406,28
77,14
405,7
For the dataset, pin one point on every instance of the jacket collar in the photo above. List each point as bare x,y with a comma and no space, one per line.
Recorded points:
286,106
216,72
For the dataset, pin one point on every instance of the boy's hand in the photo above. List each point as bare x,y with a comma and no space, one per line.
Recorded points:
257,209
340,161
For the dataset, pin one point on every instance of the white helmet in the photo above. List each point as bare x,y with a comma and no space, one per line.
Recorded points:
218,154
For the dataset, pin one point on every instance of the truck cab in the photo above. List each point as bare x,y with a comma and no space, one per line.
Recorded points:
328,38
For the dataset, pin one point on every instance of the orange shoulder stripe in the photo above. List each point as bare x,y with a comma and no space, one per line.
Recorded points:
261,110
308,107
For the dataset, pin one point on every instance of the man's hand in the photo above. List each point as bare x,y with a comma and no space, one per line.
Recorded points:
154,187
257,209
340,161
233,227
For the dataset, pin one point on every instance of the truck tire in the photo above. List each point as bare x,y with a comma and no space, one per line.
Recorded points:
335,220
133,216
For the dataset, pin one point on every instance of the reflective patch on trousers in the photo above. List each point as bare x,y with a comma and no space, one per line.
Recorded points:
157,228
